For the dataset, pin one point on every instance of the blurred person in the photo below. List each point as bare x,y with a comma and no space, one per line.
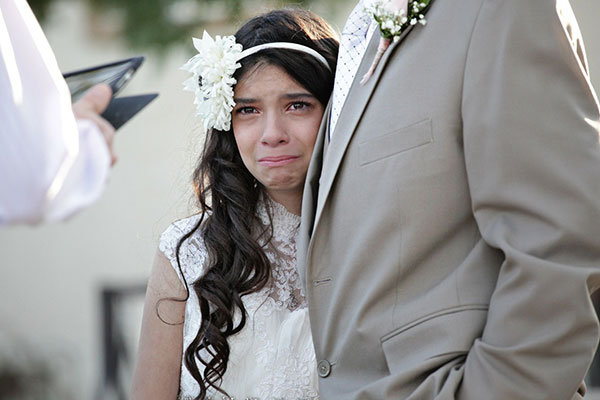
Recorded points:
229,273
54,157
450,235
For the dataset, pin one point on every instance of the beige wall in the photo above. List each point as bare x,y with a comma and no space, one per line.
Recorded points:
51,275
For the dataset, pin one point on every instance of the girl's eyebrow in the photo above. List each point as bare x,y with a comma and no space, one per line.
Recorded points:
287,96
293,96
242,100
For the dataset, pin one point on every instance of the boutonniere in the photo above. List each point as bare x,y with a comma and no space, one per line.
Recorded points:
393,17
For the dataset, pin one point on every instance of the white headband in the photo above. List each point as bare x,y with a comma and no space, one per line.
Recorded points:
212,75
285,45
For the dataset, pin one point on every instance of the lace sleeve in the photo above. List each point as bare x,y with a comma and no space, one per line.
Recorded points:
192,255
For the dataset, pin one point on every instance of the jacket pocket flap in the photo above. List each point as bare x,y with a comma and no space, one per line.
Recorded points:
447,332
395,142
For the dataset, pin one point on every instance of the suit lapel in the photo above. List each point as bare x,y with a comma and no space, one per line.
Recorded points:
309,197
351,113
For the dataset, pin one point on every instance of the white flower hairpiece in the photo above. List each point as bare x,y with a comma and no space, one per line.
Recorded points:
212,75
212,79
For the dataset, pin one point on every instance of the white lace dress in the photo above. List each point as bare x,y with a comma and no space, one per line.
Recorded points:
272,357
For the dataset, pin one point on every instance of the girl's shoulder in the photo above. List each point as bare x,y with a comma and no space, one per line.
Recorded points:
192,253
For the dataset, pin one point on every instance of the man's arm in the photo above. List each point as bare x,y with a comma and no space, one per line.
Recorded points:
531,126
51,164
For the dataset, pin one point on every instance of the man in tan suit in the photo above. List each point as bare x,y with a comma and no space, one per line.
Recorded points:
451,217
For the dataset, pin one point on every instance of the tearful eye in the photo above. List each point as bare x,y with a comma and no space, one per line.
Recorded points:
300,105
245,110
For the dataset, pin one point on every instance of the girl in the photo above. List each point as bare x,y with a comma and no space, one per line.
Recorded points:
245,331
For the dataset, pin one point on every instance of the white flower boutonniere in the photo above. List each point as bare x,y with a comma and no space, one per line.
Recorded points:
393,17
212,79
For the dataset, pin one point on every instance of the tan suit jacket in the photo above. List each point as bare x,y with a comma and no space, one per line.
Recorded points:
451,228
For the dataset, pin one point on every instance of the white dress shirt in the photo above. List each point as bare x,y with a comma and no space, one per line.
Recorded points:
51,165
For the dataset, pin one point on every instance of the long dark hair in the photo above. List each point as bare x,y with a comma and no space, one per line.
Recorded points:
228,194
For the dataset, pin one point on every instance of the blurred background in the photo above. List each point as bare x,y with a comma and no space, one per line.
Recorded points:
71,293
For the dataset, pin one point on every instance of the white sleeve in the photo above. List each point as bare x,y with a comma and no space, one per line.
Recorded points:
50,164
193,254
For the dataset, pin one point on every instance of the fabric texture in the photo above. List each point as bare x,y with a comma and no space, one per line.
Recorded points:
51,165
273,356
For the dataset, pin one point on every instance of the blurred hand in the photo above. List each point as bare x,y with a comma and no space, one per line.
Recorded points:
90,106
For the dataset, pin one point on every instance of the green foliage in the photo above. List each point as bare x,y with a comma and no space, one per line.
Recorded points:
40,8
148,24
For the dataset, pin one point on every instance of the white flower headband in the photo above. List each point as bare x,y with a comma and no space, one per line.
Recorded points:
212,75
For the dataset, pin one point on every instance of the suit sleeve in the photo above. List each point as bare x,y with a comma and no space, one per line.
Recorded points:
531,128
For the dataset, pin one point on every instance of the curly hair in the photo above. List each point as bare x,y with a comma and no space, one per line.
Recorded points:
228,194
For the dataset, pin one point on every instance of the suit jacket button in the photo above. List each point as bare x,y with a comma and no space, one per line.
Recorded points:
324,368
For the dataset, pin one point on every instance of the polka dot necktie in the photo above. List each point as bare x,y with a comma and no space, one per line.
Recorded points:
352,48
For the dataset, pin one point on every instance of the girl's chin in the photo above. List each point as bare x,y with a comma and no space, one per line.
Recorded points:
285,186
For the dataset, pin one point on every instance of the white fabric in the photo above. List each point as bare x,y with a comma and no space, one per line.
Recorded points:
353,43
273,356
50,164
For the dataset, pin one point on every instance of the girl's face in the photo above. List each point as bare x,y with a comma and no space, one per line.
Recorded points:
275,124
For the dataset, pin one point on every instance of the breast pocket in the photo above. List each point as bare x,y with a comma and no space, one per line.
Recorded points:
395,142
434,339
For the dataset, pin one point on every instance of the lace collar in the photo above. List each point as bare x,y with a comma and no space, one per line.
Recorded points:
285,223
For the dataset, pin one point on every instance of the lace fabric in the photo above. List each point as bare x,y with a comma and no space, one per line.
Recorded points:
273,356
